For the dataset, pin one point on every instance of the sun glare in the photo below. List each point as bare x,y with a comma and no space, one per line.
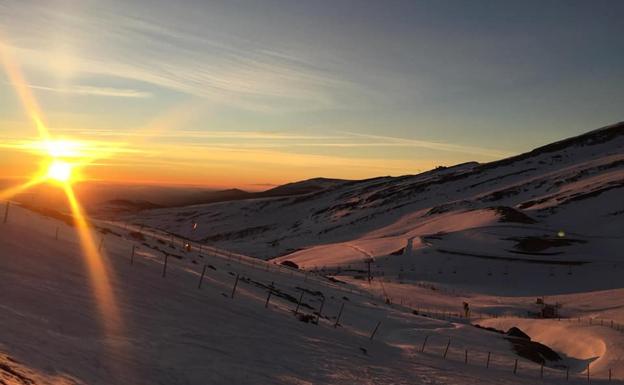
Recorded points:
60,171
63,148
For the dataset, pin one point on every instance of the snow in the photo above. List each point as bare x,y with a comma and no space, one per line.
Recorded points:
544,224
174,333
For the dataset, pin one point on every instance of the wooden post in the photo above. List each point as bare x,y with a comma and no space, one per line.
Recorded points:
201,278
132,255
6,212
318,316
515,367
588,371
164,272
447,348
269,296
567,373
609,374
299,303
487,363
422,349
234,288
339,315
375,330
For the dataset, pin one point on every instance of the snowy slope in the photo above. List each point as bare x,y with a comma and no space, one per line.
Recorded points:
171,332
531,224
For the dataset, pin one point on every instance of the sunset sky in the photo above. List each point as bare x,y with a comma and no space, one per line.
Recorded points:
255,93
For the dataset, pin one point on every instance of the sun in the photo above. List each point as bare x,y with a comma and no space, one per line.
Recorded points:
60,171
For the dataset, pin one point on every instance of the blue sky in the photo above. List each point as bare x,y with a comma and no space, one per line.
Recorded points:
279,90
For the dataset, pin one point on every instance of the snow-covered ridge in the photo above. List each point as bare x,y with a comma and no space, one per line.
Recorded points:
571,186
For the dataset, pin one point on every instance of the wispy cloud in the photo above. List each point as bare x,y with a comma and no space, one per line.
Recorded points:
439,146
94,91
127,47
267,139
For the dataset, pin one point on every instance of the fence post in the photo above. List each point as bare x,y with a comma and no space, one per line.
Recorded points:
201,278
318,316
6,212
447,348
266,304
487,363
567,373
422,349
235,284
132,255
339,315
375,330
299,303
164,272
515,367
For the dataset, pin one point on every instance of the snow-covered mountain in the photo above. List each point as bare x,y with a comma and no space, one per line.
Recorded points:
560,205
147,308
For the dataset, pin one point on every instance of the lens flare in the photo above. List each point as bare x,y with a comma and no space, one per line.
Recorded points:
98,272
62,157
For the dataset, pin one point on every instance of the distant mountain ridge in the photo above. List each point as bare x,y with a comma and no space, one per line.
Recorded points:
207,196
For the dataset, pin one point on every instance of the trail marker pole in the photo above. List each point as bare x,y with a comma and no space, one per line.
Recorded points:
375,330
339,315
269,296
201,278
299,303
6,212
132,255
447,348
164,272
235,284
422,349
